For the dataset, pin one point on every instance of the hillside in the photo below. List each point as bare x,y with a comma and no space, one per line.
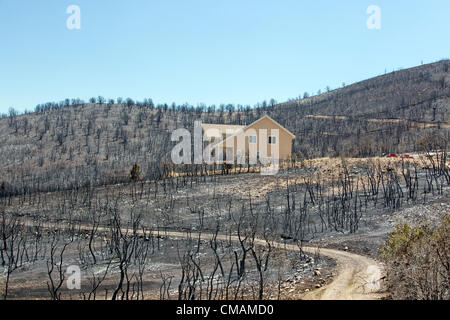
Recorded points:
72,143
383,114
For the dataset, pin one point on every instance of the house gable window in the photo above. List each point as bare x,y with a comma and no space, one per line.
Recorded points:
252,139
272,140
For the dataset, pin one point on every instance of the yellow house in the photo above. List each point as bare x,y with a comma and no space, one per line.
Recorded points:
263,139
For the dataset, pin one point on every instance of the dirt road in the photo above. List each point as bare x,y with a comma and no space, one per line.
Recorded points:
358,277
419,124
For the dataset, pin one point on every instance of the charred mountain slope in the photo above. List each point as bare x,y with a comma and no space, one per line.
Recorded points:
74,144
383,114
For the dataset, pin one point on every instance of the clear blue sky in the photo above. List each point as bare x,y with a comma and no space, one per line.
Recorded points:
208,51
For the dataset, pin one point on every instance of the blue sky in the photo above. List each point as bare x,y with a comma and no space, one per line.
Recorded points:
208,51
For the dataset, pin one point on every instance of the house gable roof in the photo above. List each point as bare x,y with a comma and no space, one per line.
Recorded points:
269,118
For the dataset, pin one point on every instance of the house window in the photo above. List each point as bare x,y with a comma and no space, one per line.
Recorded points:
252,139
272,140
229,154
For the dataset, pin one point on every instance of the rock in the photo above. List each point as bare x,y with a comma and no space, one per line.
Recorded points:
316,272
346,248
306,290
318,285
